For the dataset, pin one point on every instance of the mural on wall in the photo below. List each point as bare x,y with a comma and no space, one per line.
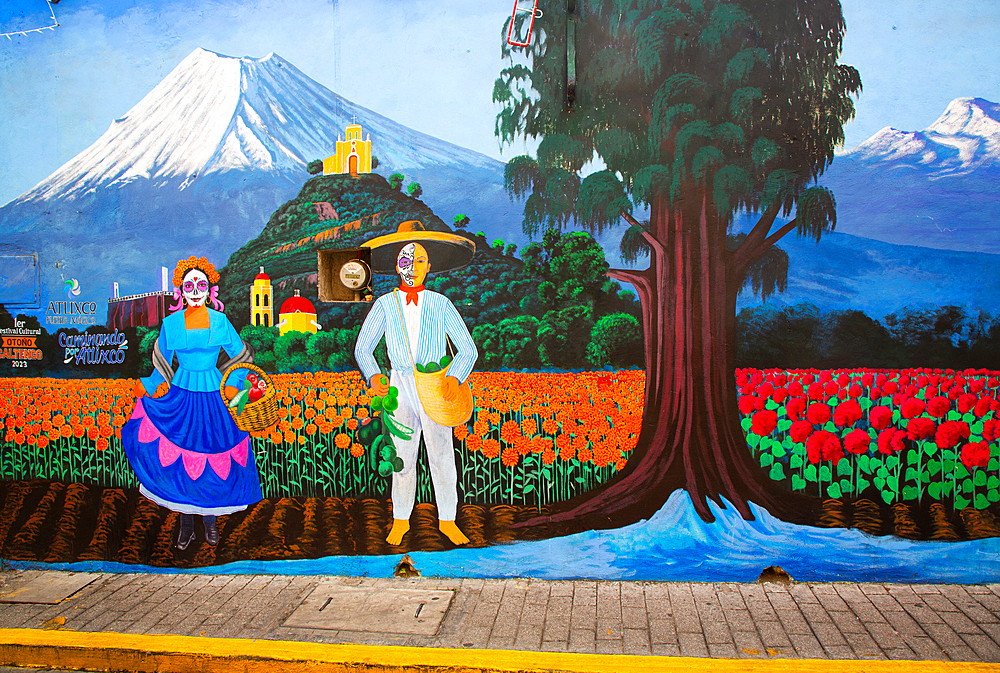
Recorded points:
672,295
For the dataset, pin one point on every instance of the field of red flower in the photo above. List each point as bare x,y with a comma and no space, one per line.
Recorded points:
896,435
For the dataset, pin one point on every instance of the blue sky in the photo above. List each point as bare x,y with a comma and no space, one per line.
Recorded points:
427,64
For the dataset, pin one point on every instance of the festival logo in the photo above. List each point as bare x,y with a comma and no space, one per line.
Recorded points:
71,312
19,344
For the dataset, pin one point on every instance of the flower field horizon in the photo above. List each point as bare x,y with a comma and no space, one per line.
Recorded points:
533,439
911,435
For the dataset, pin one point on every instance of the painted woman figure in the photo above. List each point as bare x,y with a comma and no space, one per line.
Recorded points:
187,452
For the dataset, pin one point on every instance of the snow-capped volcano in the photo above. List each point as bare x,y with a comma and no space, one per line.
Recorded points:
965,137
937,187
201,162
217,113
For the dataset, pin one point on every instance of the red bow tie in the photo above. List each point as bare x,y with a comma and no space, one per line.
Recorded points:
412,293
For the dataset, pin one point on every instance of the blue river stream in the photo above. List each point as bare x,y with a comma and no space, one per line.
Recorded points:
674,544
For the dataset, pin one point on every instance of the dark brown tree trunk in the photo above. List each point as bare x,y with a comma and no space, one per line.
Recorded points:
691,436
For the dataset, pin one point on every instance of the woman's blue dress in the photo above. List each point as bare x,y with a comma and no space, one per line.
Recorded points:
184,447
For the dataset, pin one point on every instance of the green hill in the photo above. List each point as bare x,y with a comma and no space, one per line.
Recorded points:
554,308
287,246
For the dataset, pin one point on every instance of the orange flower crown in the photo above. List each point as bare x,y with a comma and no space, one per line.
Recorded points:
192,262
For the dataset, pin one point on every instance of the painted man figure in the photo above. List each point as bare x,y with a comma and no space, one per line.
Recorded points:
415,323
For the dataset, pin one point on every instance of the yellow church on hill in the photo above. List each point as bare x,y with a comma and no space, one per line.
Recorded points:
353,156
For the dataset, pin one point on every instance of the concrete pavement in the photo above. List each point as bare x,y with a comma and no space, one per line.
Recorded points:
845,622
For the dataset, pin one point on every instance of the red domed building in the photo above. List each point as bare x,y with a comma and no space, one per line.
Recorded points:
297,314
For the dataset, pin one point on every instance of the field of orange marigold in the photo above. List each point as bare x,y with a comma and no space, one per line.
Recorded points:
533,439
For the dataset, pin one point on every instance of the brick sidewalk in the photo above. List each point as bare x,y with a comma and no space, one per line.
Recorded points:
728,620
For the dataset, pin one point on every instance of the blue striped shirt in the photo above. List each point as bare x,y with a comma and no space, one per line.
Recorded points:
438,318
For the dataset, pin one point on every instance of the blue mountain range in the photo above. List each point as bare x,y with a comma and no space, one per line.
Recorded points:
201,162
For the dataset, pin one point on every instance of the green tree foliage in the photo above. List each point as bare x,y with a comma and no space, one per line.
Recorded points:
396,180
374,162
315,167
510,250
772,334
572,268
936,334
563,336
845,337
333,350
328,350
562,285
616,341
510,344
415,190
146,338
290,351
461,221
801,336
699,109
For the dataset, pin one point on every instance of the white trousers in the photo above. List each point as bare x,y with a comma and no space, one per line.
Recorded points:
440,454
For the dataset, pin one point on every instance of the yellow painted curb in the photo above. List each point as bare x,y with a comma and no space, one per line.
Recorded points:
105,651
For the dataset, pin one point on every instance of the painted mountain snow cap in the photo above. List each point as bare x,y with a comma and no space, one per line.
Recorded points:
966,136
214,113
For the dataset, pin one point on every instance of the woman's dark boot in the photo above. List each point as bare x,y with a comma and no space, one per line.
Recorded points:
186,535
211,532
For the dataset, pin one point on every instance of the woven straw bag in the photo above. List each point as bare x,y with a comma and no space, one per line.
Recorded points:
430,389
259,415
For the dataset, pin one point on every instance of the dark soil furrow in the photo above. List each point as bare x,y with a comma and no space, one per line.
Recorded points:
66,523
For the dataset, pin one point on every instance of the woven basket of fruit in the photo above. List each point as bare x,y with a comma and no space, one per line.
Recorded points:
253,404
430,380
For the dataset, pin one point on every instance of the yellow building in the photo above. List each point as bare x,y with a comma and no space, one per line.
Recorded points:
297,314
261,300
353,156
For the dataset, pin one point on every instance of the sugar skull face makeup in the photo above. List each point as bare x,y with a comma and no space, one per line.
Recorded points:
412,264
195,288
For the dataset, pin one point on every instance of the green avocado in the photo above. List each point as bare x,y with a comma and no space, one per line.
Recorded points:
367,433
385,468
432,367
445,361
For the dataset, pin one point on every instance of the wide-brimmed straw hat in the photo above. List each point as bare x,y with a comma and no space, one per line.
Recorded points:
445,251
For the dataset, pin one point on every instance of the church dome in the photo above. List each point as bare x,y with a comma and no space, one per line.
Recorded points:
297,304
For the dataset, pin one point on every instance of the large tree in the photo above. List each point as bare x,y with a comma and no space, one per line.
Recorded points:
700,110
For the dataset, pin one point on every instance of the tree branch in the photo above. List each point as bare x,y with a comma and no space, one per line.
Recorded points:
743,260
778,235
630,276
763,225
653,243
741,256
631,220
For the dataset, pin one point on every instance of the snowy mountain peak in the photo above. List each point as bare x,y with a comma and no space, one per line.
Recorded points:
969,116
965,137
215,113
